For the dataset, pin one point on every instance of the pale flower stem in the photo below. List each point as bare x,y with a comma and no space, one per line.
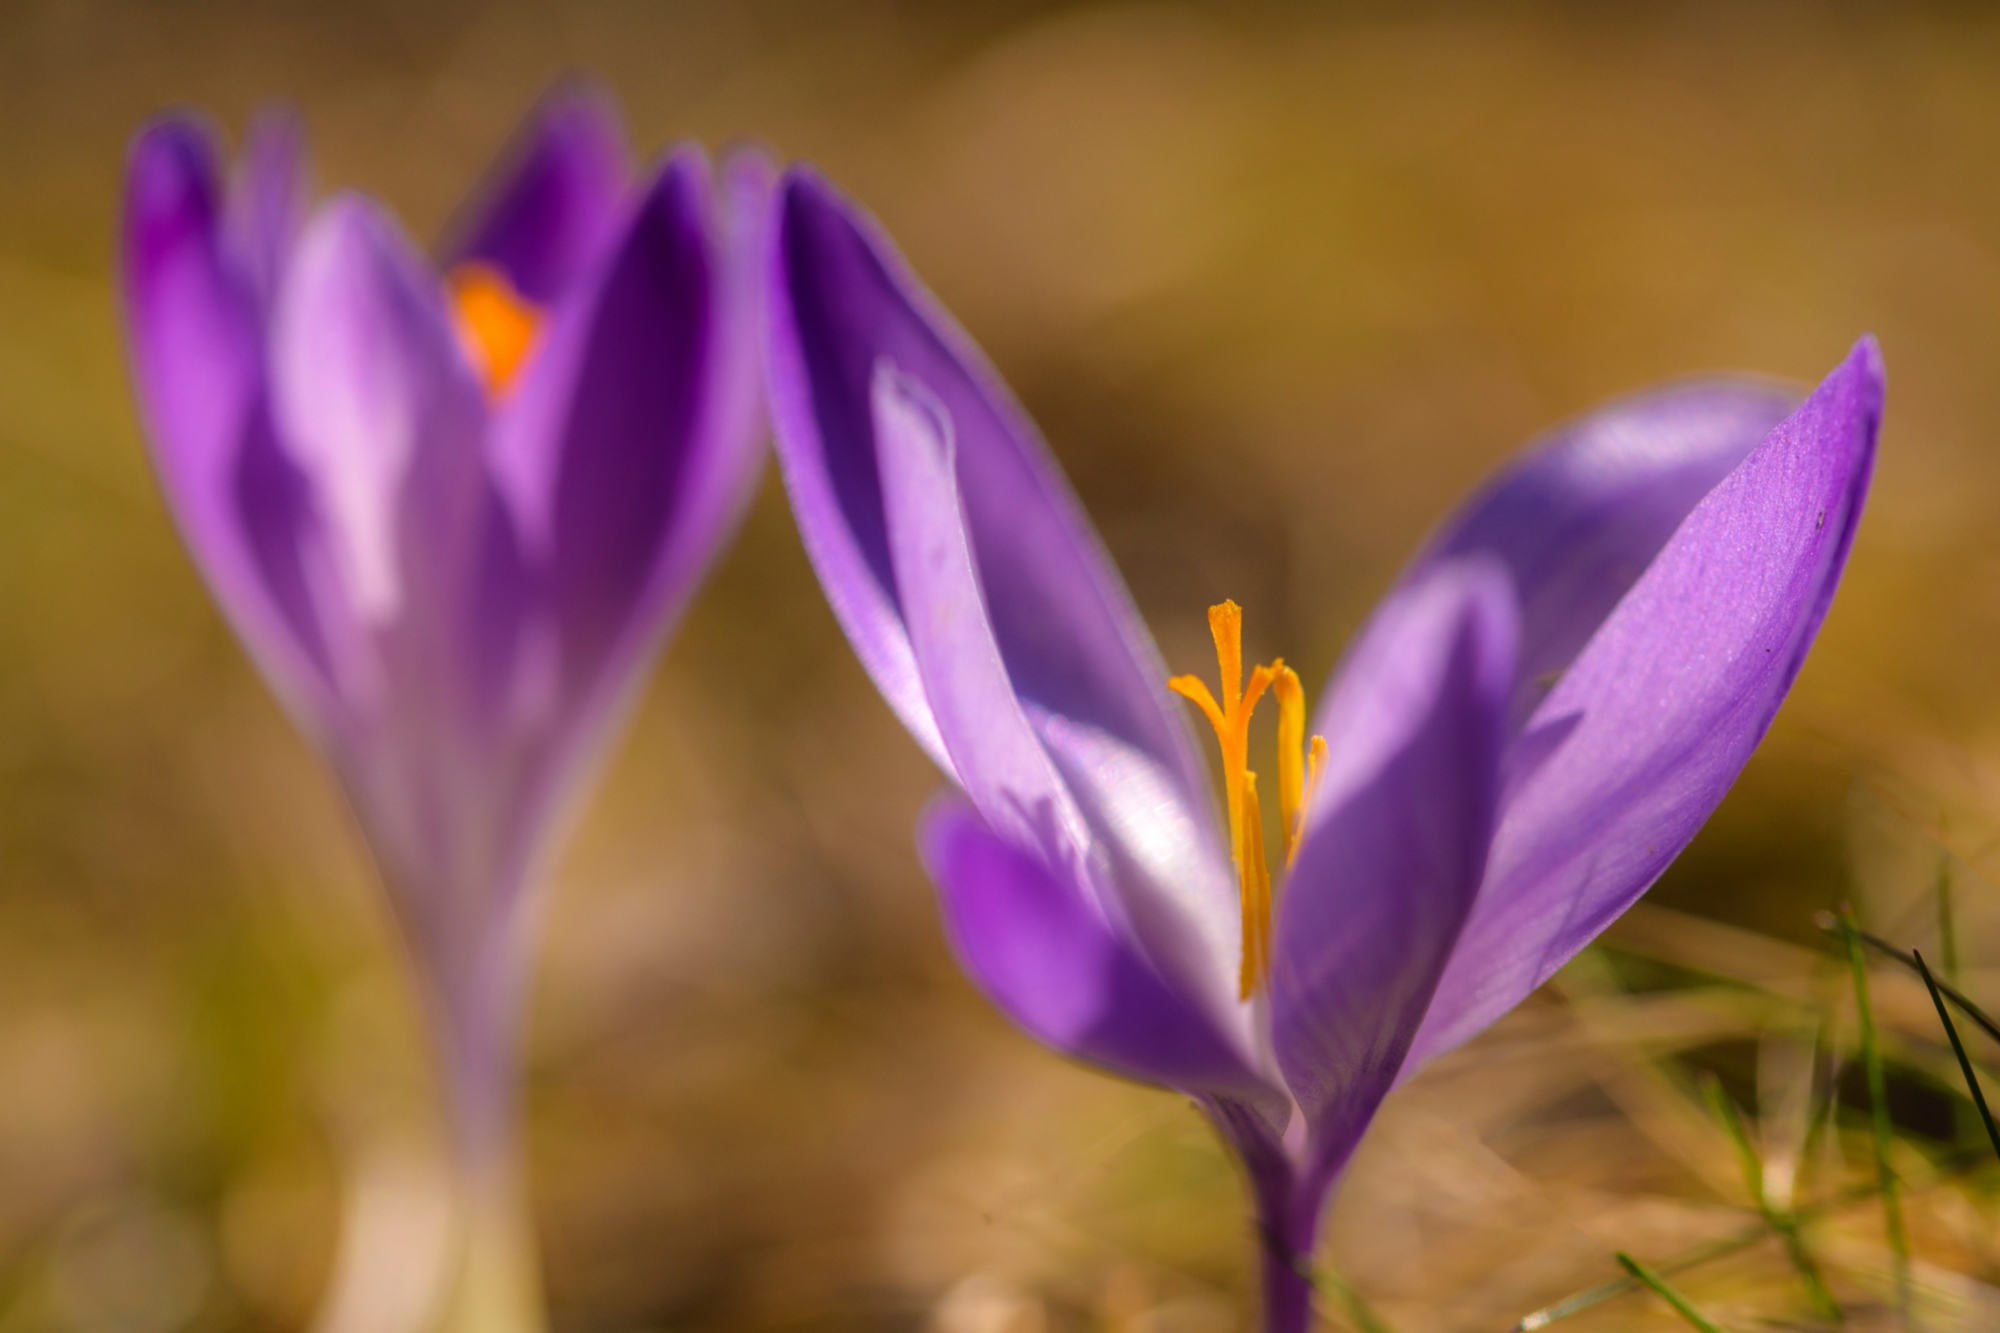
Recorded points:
494,1285
496,1282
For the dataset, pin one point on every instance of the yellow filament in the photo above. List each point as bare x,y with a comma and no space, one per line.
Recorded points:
1315,768
1291,753
498,324
1231,719
1256,877
1298,773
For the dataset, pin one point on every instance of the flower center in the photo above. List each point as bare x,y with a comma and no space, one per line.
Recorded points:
1298,774
497,324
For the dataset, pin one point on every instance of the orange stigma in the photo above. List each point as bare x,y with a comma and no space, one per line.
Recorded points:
1298,774
497,324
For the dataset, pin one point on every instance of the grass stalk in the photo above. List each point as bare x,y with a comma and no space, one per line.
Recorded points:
1359,1312
1959,1000
1958,1050
1783,1222
1591,1297
1878,1105
1659,1286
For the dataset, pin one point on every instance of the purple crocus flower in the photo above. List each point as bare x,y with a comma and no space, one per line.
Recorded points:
1533,723
452,507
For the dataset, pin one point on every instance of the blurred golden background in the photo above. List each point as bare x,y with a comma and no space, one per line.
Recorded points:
1280,283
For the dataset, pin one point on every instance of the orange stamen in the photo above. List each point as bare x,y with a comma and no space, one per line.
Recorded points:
1256,878
1298,774
498,325
1291,753
1230,716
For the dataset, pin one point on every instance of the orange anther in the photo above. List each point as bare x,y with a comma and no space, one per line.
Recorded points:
499,326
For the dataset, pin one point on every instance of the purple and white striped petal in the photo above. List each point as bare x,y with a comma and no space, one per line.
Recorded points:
1001,762
841,303
1638,742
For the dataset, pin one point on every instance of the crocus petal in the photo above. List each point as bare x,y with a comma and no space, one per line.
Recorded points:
986,732
1175,888
196,343
553,200
1395,845
629,448
1638,742
1579,517
1102,811
380,411
1033,943
842,302
268,199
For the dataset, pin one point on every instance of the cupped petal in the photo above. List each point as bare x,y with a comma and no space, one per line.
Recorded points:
196,341
999,759
1578,517
631,446
1636,745
552,201
1175,888
379,409
1032,941
1395,844
842,303
1101,811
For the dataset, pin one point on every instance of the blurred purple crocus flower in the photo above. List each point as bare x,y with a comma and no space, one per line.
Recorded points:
452,507
1534,722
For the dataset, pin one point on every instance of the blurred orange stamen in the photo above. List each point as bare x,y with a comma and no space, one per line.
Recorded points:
498,325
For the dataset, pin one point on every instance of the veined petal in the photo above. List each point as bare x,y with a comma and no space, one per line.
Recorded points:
1395,843
1636,745
380,411
1175,889
196,341
553,200
841,303
629,449
1578,517
1032,941
986,733
1103,811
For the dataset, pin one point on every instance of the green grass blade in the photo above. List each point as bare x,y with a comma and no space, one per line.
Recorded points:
1590,1298
1659,1287
1958,1049
1959,1000
1359,1312
1878,1099
1748,1160
1780,1221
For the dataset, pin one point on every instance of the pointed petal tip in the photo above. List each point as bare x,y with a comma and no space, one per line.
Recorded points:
751,163
174,156
544,209
577,114
803,193
1863,371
